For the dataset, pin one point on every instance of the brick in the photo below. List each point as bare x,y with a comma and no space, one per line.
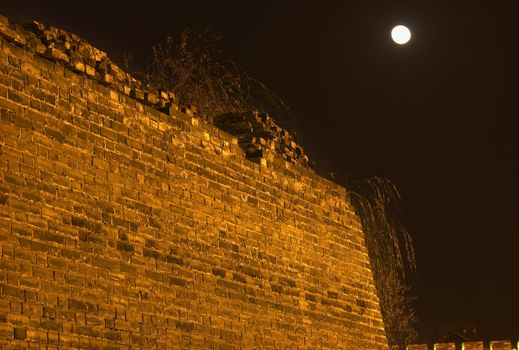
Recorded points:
14,292
89,70
150,253
54,134
33,245
219,272
114,336
22,122
70,254
50,212
54,339
8,265
19,333
76,305
57,54
88,331
123,325
26,282
79,66
501,345
110,134
18,97
185,326
125,246
51,325
177,282
6,331
80,222
49,312
15,180
68,340
174,260
238,278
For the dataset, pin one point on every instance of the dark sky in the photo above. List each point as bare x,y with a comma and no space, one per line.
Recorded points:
438,116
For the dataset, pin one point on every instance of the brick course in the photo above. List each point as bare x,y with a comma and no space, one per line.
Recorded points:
475,345
127,222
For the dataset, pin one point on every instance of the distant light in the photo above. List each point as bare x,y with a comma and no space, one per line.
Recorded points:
401,34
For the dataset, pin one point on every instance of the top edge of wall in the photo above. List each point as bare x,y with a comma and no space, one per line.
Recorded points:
262,141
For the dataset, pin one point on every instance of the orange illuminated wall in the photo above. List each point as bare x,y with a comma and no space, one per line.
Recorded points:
126,221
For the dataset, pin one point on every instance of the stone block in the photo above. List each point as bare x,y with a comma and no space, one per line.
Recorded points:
501,345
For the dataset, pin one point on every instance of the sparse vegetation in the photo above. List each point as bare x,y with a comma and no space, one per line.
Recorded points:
391,252
192,67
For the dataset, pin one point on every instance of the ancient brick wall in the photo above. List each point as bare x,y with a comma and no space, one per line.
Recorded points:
126,222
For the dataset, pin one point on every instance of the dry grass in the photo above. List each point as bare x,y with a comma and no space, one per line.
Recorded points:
391,252
193,68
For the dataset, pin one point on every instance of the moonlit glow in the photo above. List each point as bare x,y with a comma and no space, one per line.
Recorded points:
401,34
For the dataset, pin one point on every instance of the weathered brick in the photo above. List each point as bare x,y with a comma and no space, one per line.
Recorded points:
54,134
80,222
54,237
51,325
219,272
22,122
6,332
76,305
238,278
11,291
174,260
177,281
126,227
185,326
151,253
87,331
125,246
112,335
18,97
15,180
20,333
34,245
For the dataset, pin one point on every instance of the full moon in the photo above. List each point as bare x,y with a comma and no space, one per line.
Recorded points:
401,34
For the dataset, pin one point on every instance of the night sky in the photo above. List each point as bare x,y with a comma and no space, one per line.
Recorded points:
438,116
